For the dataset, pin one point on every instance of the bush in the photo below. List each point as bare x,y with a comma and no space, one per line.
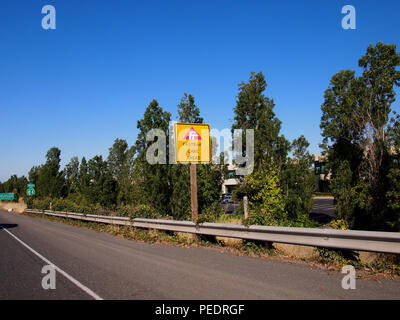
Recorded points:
67,205
212,213
41,204
70,206
339,224
144,211
266,204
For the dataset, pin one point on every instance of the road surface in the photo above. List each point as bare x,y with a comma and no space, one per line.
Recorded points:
323,209
97,265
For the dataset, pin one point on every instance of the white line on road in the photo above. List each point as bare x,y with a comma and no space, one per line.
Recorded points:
66,275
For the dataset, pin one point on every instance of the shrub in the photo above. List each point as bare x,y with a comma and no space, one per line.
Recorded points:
212,213
41,204
266,204
144,211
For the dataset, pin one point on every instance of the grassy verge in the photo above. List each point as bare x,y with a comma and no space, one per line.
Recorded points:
322,194
389,264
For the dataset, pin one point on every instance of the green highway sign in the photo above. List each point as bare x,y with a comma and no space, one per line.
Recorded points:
31,190
6,196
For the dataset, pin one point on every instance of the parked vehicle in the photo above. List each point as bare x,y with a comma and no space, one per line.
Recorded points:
227,198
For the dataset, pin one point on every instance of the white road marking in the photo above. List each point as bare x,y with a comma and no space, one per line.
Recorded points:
66,275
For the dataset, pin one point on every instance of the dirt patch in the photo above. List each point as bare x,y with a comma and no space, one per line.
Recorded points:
15,206
296,251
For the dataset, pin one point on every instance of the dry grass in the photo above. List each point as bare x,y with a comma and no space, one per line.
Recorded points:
15,206
229,219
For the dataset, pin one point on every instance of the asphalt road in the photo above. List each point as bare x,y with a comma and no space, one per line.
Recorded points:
323,209
93,264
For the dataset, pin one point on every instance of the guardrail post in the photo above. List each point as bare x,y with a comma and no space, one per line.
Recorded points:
246,210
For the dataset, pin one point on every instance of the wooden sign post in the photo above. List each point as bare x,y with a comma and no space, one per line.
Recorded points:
193,191
245,207
192,146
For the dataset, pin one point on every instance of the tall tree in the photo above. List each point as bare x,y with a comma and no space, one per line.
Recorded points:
298,181
83,174
119,162
117,159
152,179
255,111
102,186
341,129
51,181
72,174
379,78
209,176
188,111
16,185
354,125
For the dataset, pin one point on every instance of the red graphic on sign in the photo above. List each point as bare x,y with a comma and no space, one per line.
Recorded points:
192,135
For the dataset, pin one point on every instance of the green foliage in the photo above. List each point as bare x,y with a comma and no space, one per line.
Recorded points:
212,213
255,111
102,187
209,176
16,185
120,163
336,256
180,196
344,193
50,180
362,149
153,180
266,203
258,249
144,211
67,205
188,111
339,224
361,144
209,184
294,182
128,184
72,175
41,203
298,182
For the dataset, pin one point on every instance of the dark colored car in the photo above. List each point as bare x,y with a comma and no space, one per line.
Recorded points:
227,198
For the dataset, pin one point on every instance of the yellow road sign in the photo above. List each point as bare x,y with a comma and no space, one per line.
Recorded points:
192,143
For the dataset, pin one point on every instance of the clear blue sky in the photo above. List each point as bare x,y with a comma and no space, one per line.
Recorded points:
83,85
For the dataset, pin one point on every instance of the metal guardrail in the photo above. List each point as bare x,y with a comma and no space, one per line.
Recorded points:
375,241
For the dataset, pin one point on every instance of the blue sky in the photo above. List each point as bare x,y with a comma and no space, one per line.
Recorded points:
83,85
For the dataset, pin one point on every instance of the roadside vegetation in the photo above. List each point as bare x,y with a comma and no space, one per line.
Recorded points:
361,142
280,189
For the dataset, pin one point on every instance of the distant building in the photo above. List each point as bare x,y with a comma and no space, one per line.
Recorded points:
231,181
322,173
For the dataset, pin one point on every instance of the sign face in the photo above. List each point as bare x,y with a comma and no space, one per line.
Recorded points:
6,196
31,190
192,143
